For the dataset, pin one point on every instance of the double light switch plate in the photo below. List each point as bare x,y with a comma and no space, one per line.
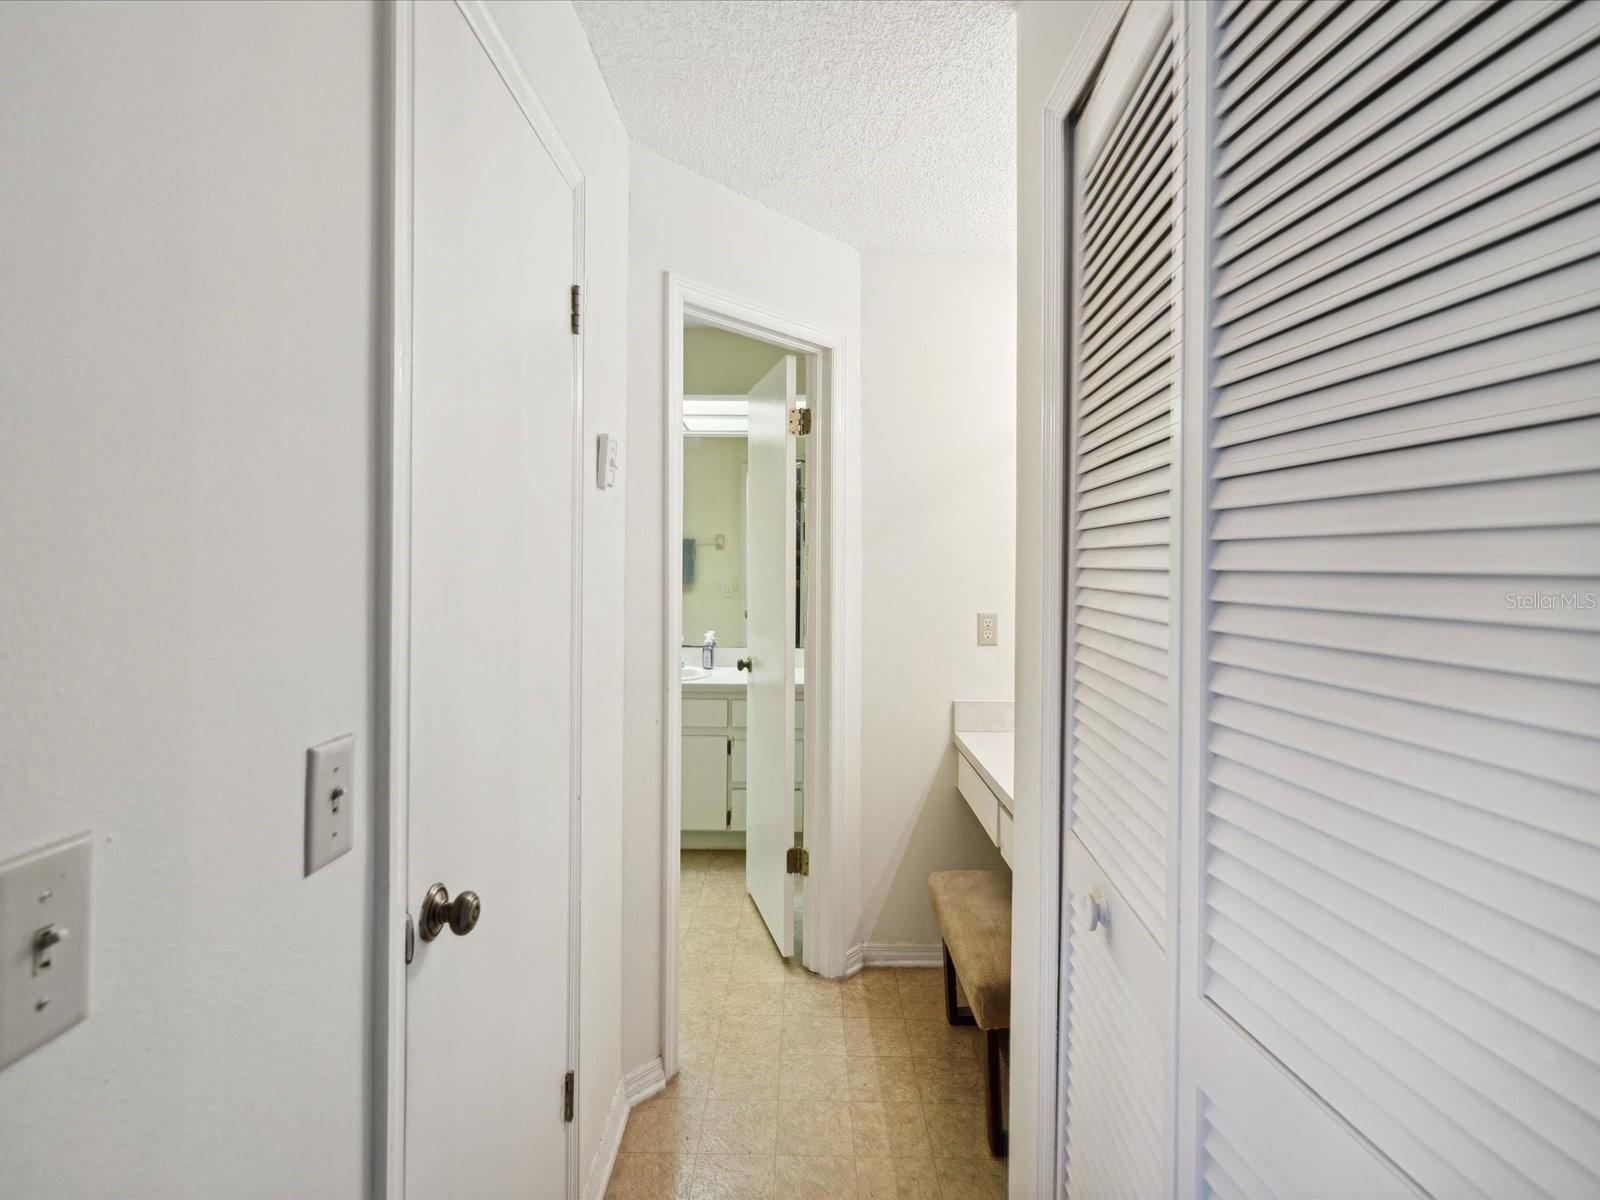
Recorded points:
44,946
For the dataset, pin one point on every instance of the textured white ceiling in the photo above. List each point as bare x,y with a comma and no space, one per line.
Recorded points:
890,124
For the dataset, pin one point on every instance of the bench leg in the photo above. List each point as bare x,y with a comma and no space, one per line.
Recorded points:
953,1012
995,1042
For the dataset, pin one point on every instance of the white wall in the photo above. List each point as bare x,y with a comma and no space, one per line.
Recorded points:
683,223
1047,32
554,50
938,428
190,241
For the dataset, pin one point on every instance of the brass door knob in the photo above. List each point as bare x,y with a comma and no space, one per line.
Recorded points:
745,664
438,910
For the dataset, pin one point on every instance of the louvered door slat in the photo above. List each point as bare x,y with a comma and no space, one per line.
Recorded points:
1400,890
1249,118
1426,927
1543,703
1491,1038
1405,144
1287,63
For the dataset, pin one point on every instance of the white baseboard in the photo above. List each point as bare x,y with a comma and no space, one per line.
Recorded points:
643,1082
633,1088
892,954
605,1154
711,839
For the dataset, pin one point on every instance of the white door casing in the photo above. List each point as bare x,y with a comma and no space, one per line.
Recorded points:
484,629
833,628
769,593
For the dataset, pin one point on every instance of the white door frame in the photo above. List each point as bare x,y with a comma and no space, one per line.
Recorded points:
1066,97
393,684
832,632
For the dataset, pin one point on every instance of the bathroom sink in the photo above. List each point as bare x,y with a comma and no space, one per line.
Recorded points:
687,673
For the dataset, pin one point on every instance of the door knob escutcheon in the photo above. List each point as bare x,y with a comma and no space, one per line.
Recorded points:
438,910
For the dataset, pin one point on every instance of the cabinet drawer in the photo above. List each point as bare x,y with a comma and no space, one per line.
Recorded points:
702,712
985,804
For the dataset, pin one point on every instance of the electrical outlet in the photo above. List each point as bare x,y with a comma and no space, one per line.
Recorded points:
988,629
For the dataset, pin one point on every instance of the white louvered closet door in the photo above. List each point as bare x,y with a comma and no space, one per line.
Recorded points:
1124,170
1395,943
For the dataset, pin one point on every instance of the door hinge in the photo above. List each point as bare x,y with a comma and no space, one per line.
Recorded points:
798,861
569,1085
799,421
411,939
577,308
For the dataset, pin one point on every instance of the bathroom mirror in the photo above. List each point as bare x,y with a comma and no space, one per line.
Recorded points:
719,369
714,505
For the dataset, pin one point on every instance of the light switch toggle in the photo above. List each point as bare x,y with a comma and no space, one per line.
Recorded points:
44,943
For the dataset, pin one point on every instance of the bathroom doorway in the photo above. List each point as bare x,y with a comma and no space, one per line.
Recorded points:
741,661
753,458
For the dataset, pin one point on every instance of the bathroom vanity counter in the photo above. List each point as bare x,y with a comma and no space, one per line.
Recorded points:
991,755
985,761
731,677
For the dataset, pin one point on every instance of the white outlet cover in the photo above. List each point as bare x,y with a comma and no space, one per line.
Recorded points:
43,991
330,801
988,629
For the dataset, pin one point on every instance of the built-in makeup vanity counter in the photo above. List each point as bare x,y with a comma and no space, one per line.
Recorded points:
983,731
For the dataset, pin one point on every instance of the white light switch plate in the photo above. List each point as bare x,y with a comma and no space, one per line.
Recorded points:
330,801
608,450
988,629
44,946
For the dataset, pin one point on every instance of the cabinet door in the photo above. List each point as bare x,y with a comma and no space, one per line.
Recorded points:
1393,915
1123,183
705,781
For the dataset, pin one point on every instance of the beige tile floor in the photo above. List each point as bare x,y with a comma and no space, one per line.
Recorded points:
794,1086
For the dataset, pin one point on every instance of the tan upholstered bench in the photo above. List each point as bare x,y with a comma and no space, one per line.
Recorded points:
973,909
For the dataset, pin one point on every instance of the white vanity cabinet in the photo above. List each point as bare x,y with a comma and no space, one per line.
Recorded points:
705,780
714,761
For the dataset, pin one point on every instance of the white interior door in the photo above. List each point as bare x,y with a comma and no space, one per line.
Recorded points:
493,630
1392,934
769,762
1120,712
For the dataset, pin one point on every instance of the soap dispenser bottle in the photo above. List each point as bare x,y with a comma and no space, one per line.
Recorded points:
708,649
